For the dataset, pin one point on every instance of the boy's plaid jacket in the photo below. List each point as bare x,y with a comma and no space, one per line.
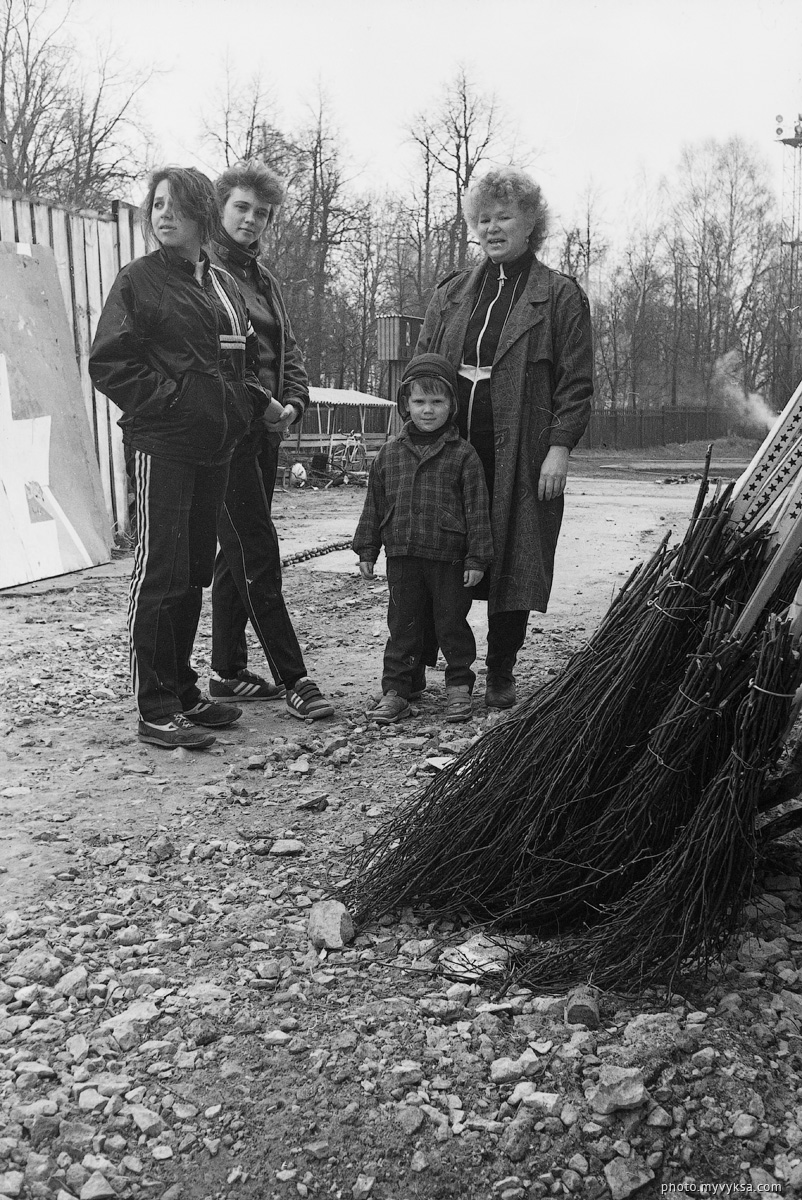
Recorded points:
427,501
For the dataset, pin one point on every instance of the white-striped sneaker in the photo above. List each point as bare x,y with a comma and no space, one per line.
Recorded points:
244,686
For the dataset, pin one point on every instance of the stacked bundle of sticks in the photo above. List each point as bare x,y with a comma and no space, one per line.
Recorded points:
614,812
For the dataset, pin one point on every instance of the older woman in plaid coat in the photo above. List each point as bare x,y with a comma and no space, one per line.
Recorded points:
519,336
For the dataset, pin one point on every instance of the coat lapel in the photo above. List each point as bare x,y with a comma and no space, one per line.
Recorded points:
457,309
529,311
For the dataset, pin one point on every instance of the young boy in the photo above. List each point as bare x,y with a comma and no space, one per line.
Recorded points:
427,504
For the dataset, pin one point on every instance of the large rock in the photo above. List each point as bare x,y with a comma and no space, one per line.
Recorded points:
97,1187
545,1104
410,1119
651,1027
517,1139
758,954
625,1176
76,1135
128,1026
508,1070
11,1183
38,965
792,1002
619,1088
475,959
745,1126
74,983
330,925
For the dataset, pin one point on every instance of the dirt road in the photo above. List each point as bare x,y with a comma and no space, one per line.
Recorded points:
177,1036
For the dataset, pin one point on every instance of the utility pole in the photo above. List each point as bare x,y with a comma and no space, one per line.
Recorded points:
788,339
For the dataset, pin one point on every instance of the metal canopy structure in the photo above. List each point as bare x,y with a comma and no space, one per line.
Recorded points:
324,402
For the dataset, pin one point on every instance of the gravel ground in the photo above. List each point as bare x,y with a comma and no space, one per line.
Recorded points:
169,1029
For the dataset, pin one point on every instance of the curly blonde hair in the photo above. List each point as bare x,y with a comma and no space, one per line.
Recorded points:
509,185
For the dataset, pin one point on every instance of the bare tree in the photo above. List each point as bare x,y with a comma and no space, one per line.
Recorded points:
62,136
242,124
466,130
583,245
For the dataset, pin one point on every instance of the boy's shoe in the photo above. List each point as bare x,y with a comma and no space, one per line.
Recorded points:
391,708
211,714
245,686
418,682
305,700
174,731
459,706
500,691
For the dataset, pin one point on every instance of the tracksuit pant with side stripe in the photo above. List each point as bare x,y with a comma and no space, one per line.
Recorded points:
177,510
247,576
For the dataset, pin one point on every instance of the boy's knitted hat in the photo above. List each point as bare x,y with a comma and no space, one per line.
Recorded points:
427,366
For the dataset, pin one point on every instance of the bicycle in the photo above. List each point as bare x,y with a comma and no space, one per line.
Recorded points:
350,457
345,459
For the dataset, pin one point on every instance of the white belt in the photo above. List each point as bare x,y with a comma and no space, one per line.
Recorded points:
474,373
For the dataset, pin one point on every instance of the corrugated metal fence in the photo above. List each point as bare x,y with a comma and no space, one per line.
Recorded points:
89,251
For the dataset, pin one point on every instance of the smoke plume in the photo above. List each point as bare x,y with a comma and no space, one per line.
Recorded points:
742,407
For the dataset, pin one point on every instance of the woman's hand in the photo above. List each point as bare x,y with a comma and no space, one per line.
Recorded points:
471,578
553,474
366,570
282,422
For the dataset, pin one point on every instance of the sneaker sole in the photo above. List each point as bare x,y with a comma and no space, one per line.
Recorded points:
241,698
153,739
204,724
390,720
317,715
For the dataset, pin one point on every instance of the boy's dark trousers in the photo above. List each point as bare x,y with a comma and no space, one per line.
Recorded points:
417,585
177,506
247,574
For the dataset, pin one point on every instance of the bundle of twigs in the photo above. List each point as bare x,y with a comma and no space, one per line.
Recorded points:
552,767
687,903
562,813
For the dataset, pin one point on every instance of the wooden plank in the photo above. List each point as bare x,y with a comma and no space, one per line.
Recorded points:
109,248
81,315
42,235
108,256
22,209
8,231
63,257
124,234
94,304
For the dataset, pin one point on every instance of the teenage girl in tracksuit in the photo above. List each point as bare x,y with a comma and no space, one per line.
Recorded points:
175,351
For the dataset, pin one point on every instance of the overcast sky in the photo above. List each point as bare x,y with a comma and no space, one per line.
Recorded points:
599,90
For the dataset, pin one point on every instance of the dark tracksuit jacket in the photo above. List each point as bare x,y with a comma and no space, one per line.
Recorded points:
247,571
180,358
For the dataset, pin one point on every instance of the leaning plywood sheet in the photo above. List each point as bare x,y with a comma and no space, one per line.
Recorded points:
52,516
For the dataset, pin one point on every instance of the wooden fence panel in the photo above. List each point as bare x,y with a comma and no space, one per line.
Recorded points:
109,264
83,339
22,211
61,252
42,234
100,408
8,229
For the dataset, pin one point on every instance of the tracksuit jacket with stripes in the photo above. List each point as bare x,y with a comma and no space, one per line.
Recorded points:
179,358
